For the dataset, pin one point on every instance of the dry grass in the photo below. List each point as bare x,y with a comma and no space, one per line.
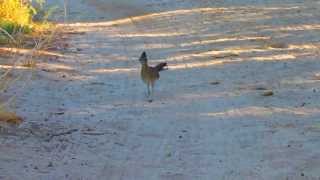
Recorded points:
9,118
18,31
18,77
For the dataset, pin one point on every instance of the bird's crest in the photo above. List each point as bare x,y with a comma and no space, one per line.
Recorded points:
143,57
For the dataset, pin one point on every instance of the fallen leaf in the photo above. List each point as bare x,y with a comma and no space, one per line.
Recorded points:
261,88
59,113
268,93
10,118
278,45
214,82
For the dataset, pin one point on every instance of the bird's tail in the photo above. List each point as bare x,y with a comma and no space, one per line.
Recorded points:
161,66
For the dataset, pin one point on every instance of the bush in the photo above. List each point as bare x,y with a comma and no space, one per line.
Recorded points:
18,15
12,27
15,11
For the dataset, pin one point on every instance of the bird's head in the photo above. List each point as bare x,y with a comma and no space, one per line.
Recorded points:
143,58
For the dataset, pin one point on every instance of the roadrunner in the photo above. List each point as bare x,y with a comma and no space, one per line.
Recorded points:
150,75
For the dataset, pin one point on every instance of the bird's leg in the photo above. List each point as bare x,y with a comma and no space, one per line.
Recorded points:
152,91
148,90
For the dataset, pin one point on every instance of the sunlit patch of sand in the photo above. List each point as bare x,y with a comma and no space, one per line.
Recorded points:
197,64
31,52
275,57
45,66
56,67
204,42
154,46
281,57
214,53
13,67
164,34
219,53
299,80
263,112
305,27
144,17
177,13
114,70
235,51
304,46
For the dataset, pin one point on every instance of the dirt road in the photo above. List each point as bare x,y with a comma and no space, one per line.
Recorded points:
86,115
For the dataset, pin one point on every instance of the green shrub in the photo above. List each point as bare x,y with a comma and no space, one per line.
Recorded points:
12,27
18,15
16,12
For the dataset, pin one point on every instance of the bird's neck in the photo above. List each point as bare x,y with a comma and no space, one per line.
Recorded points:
144,64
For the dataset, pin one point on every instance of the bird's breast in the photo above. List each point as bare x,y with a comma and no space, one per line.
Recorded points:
149,75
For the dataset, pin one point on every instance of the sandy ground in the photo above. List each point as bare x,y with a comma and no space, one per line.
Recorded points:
86,115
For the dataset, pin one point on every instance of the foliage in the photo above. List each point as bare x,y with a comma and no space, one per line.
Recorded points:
20,15
15,11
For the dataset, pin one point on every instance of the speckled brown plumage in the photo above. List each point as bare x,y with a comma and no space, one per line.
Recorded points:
150,75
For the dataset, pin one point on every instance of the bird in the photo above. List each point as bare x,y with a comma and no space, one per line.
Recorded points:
149,74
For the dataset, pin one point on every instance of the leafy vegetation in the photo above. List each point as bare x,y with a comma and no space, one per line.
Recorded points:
22,16
15,15
23,27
